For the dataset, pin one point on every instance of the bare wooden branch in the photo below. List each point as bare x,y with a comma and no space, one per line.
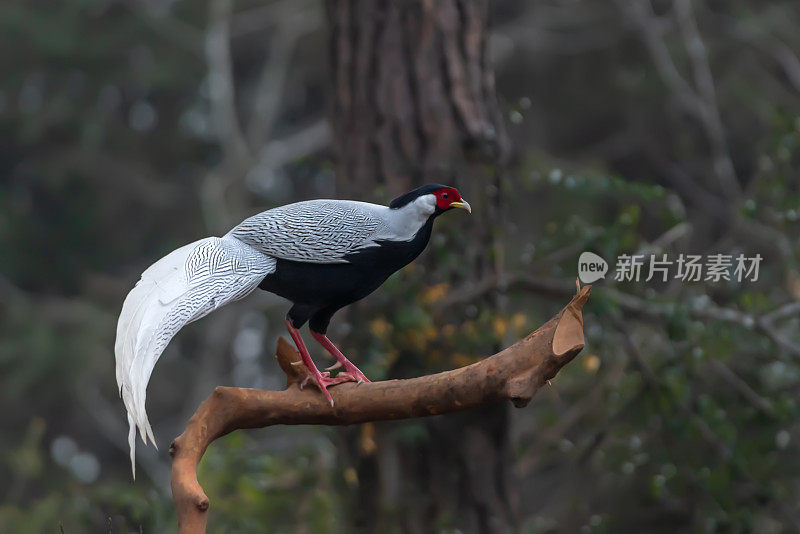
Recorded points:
515,373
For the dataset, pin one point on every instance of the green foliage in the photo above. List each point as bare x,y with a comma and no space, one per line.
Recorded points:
253,488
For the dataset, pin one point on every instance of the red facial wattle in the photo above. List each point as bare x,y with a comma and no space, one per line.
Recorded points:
449,197
446,196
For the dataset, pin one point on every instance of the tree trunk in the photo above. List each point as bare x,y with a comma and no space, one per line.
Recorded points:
415,103
414,92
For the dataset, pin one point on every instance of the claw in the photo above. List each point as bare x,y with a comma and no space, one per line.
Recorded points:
325,391
358,378
323,382
334,366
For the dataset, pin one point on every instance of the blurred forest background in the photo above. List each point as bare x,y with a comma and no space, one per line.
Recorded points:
131,127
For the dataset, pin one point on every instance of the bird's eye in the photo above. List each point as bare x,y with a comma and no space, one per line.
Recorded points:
444,195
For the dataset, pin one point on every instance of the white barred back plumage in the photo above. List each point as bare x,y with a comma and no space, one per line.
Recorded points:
326,231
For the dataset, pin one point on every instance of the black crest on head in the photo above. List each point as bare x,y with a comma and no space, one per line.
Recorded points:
404,199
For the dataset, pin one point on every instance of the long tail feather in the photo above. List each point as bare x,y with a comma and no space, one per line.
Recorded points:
182,287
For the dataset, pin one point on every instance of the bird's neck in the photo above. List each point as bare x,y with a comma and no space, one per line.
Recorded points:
408,220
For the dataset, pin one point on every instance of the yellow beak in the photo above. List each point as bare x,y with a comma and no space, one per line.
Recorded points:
463,204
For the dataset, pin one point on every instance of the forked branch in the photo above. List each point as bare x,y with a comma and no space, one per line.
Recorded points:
515,373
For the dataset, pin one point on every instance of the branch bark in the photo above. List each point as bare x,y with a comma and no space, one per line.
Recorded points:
515,374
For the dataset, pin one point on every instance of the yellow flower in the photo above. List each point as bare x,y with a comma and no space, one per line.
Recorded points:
351,477
500,326
435,293
591,363
379,327
518,320
367,441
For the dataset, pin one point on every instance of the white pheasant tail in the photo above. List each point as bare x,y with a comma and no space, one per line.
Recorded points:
187,284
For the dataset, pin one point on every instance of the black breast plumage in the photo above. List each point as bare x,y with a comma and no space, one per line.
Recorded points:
318,290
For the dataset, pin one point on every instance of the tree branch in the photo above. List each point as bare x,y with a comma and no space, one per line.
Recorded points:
515,373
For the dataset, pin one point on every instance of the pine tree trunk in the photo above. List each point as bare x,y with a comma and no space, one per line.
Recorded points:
415,103
414,93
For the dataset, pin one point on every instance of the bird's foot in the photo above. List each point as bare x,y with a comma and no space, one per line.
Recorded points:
354,373
350,370
323,381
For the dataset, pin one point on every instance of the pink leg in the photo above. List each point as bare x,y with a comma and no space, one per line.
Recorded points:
323,380
349,367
